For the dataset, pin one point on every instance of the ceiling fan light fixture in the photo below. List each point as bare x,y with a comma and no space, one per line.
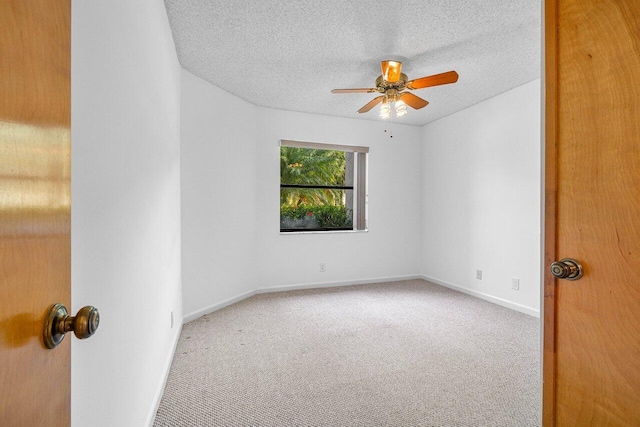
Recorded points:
401,108
385,111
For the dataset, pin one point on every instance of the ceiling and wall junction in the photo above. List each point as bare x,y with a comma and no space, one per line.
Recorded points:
289,55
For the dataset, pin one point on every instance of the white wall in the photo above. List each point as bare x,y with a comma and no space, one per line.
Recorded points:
454,196
391,247
126,207
219,194
481,198
231,241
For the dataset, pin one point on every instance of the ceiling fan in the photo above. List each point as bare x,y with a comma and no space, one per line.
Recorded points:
391,85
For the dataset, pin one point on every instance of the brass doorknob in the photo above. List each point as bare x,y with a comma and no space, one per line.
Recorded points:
58,323
567,268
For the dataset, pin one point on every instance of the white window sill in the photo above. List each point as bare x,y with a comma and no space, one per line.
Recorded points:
323,232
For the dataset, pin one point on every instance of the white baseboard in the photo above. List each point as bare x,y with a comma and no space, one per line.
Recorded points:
503,302
222,304
165,374
217,306
318,285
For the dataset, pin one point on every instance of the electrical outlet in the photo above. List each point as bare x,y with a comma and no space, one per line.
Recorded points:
172,320
479,274
323,267
515,284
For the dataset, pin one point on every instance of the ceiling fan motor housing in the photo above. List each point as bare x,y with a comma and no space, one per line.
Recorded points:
384,86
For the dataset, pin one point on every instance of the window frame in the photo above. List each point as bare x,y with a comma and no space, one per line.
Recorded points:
359,187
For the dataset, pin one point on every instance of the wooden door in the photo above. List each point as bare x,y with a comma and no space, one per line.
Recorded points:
592,326
35,103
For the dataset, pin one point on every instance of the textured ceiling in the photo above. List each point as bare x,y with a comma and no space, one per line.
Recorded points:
289,54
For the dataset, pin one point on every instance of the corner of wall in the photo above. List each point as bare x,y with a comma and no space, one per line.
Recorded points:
157,398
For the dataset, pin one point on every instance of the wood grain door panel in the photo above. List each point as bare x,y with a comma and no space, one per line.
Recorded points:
35,201
595,135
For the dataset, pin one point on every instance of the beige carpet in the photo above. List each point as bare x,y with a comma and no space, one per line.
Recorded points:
394,354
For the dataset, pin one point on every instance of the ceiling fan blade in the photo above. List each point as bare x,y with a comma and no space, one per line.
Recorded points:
364,90
435,80
375,101
413,101
391,70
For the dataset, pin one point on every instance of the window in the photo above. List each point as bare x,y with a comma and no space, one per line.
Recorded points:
323,187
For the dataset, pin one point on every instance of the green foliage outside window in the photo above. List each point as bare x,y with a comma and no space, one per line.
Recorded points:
312,207
325,216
